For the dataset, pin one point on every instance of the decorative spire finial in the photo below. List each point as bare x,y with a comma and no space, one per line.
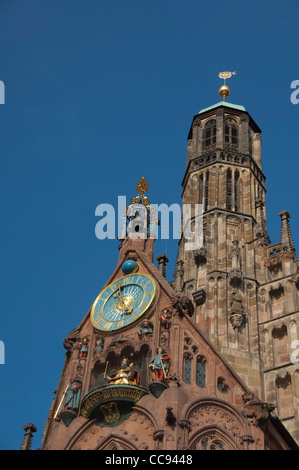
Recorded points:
142,188
286,238
224,90
27,441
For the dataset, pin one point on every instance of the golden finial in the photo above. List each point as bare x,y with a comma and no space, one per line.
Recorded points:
141,189
142,186
224,90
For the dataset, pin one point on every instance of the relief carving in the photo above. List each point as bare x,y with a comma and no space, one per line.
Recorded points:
216,415
238,315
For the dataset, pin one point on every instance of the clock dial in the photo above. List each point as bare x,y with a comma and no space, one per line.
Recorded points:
123,302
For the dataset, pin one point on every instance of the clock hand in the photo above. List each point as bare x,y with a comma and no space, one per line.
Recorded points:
125,307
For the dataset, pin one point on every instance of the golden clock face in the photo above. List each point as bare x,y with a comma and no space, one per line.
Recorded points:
123,302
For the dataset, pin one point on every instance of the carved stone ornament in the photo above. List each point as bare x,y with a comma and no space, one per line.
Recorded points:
248,397
276,292
164,339
238,315
283,382
215,414
244,117
173,377
200,256
279,332
275,259
119,341
183,306
235,277
199,296
197,122
273,263
254,410
288,254
71,340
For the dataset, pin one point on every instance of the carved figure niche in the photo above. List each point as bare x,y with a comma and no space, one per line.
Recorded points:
108,366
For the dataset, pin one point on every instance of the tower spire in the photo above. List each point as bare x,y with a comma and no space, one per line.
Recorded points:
261,227
286,238
27,441
162,262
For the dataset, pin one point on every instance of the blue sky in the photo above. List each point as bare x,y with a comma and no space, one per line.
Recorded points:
97,95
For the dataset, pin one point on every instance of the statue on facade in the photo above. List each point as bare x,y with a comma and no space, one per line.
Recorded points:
73,395
165,319
99,344
83,347
145,329
126,375
159,366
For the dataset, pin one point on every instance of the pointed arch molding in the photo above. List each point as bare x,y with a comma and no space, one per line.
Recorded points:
115,442
216,417
135,433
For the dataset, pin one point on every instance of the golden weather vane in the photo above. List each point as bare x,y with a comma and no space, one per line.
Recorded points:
224,90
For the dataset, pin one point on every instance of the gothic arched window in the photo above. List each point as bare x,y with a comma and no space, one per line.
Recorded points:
210,443
231,133
201,372
250,145
209,136
187,369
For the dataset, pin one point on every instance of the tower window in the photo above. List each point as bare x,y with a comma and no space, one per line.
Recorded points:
231,133
210,134
250,145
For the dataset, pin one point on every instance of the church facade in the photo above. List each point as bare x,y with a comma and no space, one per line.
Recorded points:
203,362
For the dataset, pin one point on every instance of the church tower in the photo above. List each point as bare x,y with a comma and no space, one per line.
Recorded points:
198,363
224,174
244,289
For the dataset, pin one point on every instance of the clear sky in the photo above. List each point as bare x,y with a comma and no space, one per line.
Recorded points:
98,94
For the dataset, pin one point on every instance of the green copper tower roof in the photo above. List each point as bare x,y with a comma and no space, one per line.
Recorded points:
223,103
